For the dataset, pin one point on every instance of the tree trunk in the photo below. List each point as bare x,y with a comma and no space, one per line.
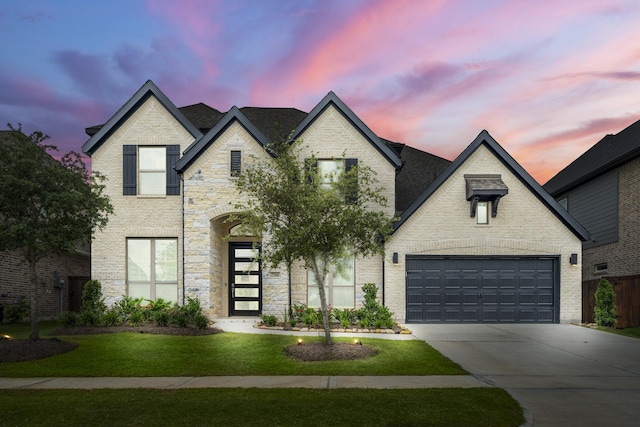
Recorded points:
319,275
35,334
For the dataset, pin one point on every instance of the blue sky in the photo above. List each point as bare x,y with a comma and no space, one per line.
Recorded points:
548,79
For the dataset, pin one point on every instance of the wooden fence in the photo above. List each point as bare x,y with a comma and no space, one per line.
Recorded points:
627,289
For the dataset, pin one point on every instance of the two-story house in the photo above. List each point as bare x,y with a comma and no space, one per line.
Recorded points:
601,189
478,240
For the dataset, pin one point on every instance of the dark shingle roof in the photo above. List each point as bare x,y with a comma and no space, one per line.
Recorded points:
419,170
277,124
610,152
202,116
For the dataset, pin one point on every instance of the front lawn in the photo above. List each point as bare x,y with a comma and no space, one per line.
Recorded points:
140,355
261,407
629,332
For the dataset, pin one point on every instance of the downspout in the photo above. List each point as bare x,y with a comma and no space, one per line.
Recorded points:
182,240
383,279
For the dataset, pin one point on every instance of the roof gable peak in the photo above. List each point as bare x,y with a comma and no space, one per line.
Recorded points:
332,99
147,90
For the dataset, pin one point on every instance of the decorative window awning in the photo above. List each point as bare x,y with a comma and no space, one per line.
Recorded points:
485,188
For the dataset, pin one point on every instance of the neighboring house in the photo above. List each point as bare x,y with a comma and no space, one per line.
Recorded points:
478,240
61,277
601,189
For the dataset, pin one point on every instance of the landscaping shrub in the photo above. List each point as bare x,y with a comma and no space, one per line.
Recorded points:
90,318
201,321
605,309
69,319
269,319
112,317
372,313
16,312
92,297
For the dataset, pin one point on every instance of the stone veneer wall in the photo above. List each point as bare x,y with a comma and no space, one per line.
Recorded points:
622,257
523,226
135,216
209,196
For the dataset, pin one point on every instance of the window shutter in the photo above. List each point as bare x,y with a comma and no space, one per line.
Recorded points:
173,179
352,195
129,170
236,162
311,169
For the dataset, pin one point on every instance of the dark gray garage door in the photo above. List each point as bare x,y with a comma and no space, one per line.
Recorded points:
474,289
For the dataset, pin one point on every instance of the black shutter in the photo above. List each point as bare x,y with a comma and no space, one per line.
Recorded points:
236,162
173,179
352,194
129,170
311,169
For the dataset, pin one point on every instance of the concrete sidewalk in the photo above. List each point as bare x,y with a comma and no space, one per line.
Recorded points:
314,382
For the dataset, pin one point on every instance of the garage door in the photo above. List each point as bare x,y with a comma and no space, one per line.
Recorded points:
474,289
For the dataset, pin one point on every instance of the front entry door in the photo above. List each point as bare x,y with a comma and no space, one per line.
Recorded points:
245,280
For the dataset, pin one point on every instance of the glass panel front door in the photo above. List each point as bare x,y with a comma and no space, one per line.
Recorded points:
245,280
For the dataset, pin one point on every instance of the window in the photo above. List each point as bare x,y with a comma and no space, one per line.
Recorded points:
152,170
482,213
152,269
329,171
601,268
148,170
236,162
339,286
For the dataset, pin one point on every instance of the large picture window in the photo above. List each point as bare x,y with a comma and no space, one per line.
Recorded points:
339,286
152,269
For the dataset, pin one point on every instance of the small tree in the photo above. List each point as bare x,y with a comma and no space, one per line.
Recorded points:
305,216
605,309
47,206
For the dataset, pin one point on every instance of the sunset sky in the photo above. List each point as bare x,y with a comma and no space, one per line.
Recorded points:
546,78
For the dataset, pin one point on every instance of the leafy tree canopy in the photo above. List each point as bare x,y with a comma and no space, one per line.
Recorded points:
47,206
305,215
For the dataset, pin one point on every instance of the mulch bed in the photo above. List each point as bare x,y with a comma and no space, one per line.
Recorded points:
318,351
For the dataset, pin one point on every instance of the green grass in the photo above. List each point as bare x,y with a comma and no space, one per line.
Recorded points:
140,355
629,332
260,407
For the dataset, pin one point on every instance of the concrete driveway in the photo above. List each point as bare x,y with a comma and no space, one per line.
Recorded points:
562,375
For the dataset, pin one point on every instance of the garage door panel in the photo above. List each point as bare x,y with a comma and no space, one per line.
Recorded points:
478,289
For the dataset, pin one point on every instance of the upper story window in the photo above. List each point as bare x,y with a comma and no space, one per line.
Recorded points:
484,191
235,165
152,170
329,171
482,213
148,170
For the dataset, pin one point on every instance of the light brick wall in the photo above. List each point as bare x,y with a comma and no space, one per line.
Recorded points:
622,257
523,226
135,216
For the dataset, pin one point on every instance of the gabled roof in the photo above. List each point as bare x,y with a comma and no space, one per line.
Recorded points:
610,152
147,90
200,145
332,99
484,139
